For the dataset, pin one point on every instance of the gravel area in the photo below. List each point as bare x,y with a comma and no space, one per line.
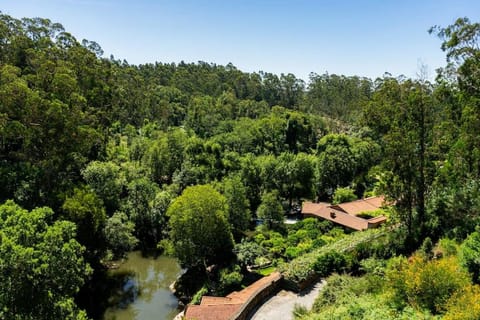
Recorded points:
281,305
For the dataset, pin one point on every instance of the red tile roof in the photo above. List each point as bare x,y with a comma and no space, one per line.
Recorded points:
334,215
361,205
222,308
345,213
211,312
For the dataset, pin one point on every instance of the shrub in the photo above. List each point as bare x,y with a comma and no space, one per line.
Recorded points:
230,280
248,251
342,195
299,311
463,305
292,252
470,255
446,247
347,297
197,297
425,284
331,262
373,266
299,269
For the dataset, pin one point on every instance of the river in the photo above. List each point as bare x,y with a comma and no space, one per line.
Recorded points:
143,293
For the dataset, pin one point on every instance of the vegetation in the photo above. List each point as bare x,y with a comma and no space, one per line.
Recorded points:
199,227
99,157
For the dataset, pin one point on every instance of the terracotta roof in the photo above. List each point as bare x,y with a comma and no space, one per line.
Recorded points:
377,220
208,300
345,213
361,205
222,308
211,312
376,201
334,215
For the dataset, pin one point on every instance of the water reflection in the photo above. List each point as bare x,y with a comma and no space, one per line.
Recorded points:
142,289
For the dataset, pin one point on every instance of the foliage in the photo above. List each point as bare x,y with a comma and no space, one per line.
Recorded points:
119,234
238,205
41,265
248,251
199,228
105,179
229,280
425,284
302,267
342,195
140,206
271,211
91,136
331,262
463,305
470,255
197,297
86,210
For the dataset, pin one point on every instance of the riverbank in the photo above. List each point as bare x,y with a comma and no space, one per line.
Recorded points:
281,305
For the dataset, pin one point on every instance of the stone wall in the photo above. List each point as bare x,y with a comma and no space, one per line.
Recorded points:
257,298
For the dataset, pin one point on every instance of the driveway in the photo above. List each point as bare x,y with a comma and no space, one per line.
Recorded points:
281,305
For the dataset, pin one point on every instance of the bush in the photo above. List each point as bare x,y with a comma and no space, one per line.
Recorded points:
342,195
446,248
347,297
470,255
230,280
292,252
373,266
248,251
463,305
197,297
299,269
299,311
331,262
425,284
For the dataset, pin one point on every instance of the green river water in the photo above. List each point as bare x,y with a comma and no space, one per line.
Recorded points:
144,292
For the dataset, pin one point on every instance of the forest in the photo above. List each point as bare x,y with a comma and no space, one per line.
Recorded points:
99,157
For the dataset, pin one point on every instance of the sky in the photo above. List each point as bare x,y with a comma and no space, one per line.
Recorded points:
362,37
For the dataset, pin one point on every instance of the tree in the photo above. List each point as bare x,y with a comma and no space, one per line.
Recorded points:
119,234
105,179
461,44
199,228
403,113
248,251
86,210
342,195
294,175
139,206
238,206
271,211
41,265
336,164
470,254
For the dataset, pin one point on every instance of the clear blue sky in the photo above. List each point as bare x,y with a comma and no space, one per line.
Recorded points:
365,38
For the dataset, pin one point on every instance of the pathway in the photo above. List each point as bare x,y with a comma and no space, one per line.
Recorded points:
281,305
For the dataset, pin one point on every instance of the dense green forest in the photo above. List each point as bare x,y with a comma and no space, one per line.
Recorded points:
99,157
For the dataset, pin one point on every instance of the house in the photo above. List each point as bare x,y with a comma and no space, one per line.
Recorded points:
346,214
238,304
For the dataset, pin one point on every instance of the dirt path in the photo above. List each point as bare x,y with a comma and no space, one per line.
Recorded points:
281,305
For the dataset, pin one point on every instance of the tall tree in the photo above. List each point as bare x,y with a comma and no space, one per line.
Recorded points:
238,205
271,211
200,232
406,113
